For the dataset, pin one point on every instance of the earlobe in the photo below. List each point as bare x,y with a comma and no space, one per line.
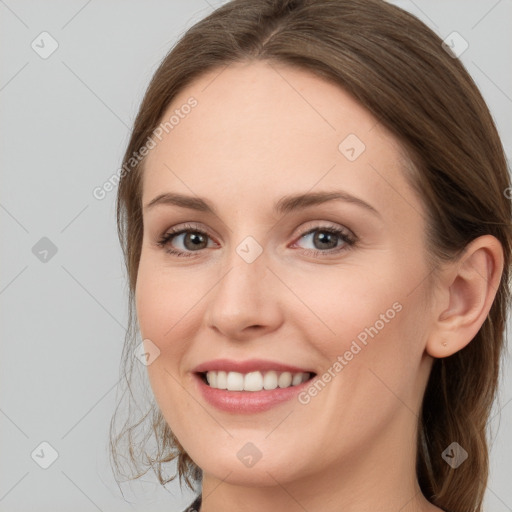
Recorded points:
469,286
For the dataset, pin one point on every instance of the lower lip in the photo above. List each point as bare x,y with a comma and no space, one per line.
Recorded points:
247,402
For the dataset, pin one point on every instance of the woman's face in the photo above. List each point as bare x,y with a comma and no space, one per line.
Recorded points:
334,286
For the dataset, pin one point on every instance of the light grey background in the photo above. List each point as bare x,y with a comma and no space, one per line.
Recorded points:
65,121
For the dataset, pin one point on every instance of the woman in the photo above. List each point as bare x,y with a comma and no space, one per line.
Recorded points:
317,236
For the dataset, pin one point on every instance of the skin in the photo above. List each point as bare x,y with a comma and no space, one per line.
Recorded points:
260,132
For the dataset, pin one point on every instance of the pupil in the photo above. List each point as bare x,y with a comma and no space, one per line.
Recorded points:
324,238
195,238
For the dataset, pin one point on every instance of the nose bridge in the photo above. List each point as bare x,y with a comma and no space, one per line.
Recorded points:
242,283
242,297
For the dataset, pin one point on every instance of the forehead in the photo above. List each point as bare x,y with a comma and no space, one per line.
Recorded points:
260,129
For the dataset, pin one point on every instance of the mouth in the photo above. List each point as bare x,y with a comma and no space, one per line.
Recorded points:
254,381
249,386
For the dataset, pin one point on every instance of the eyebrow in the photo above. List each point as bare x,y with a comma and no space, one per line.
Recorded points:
285,205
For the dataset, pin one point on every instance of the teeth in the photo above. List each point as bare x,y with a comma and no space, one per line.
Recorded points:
285,380
254,381
270,380
296,379
235,381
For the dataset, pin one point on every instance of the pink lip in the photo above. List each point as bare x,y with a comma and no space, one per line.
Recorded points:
251,365
246,402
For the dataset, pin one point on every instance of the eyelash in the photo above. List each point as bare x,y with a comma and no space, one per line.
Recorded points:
348,239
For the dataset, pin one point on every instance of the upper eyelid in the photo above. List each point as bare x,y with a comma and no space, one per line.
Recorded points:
189,226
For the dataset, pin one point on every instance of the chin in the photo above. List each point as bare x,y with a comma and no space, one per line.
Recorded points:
266,471
257,476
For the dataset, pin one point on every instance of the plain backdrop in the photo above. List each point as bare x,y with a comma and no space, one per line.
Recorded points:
65,120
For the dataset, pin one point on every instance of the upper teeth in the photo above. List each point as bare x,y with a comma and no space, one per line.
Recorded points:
254,381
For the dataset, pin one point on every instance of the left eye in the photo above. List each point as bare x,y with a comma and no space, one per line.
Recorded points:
325,239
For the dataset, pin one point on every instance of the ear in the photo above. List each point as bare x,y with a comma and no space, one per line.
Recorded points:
465,295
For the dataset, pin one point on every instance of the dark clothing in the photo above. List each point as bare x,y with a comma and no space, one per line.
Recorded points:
194,507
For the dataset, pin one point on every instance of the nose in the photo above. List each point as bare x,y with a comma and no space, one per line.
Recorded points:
245,302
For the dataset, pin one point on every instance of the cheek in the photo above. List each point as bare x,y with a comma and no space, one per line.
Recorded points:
372,358
362,321
346,303
164,305
165,301
162,316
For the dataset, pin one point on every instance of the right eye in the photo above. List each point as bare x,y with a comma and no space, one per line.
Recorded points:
189,238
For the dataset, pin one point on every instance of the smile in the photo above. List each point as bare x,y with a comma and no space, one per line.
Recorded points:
254,381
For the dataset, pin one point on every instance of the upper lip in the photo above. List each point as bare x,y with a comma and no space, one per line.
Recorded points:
249,365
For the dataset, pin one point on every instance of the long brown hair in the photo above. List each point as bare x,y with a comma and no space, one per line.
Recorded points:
396,67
